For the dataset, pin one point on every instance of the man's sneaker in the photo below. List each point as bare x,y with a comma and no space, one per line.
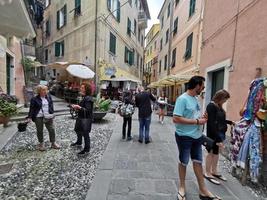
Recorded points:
162,122
41,147
140,141
129,138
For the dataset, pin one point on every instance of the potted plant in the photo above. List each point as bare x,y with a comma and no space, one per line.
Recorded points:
7,110
101,107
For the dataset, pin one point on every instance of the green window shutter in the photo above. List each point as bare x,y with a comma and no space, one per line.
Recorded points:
173,58
126,55
129,27
192,7
57,49
131,58
109,4
189,43
58,19
77,7
62,48
65,14
112,43
175,26
119,11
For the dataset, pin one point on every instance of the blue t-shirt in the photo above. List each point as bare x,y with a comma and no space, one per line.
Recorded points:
188,107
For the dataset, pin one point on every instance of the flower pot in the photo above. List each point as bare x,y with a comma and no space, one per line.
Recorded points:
4,120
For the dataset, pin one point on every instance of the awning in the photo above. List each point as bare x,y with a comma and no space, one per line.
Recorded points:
114,73
61,65
36,63
15,19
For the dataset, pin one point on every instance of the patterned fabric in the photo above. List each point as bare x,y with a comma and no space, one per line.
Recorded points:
243,153
238,135
254,152
255,99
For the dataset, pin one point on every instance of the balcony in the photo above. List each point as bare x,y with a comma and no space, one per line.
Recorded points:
142,20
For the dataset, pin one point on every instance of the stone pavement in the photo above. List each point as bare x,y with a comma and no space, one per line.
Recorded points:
134,171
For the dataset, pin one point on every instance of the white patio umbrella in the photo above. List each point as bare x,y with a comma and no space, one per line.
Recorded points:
80,71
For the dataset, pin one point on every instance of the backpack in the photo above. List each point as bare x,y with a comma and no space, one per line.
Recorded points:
126,110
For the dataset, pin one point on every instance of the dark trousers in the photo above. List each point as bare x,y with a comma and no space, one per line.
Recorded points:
40,122
125,121
86,136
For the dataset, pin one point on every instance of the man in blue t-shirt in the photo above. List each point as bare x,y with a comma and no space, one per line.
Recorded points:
187,118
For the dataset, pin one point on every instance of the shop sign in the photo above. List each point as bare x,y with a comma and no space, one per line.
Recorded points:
109,71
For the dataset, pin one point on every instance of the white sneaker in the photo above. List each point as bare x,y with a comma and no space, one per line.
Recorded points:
161,122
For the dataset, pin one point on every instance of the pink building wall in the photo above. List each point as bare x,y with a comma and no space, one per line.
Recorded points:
250,46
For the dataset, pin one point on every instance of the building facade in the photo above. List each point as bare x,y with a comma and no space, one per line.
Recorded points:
234,45
151,55
16,25
102,34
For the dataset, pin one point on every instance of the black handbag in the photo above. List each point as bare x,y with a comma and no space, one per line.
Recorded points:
207,142
83,124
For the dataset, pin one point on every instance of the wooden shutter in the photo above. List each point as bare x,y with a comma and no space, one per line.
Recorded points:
129,27
119,11
175,26
65,14
58,19
62,48
126,55
109,4
112,43
57,49
192,7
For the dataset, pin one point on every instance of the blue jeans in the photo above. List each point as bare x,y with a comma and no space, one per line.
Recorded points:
144,124
187,147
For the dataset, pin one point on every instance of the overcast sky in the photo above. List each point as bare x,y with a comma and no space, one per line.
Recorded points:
154,8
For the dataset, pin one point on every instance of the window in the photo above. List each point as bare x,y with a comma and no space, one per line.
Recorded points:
114,6
155,45
129,56
142,40
169,10
160,66
136,4
167,36
173,58
154,72
192,7
47,28
59,49
112,43
175,26
165,62
150,49
130,2
161,41
135,24
77,8
46,55
62,17
162,22
176,2
129,27
189,43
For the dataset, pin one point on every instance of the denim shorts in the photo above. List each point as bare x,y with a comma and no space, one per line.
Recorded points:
188,146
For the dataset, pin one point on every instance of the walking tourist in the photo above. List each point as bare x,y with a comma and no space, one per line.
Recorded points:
187,119
85,116
126,111
216,129
143,102
42,113
162,102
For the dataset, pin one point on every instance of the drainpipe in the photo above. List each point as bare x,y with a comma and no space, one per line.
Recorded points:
95,59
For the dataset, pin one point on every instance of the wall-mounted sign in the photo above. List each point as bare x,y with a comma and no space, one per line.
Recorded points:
109,71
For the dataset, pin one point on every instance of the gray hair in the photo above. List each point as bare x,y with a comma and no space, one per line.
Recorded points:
39,88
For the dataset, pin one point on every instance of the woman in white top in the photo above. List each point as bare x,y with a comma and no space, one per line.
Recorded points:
162,102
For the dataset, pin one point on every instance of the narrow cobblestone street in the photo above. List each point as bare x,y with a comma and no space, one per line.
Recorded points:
53,174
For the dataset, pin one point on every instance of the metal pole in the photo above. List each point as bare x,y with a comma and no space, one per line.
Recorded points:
95,59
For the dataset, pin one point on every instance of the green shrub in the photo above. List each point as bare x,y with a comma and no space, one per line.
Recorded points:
7,109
